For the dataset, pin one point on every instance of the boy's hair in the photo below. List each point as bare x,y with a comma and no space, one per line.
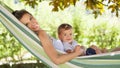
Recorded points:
19,13
64,26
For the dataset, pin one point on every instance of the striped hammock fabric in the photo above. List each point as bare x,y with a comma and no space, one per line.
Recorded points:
32,43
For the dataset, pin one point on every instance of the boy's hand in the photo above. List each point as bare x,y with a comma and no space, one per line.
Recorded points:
69,51
97,50
79,50
84,51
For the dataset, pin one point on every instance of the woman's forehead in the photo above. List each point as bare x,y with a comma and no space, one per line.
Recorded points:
25,18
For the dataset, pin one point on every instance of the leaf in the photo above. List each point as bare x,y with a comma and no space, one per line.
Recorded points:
95,14
55,9
101,11
99,6
113,9
74,2
111,6
109,1
50,3
117,13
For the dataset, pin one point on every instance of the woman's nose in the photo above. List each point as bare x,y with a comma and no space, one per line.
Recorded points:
34,21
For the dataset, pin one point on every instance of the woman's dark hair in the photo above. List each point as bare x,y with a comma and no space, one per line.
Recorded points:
19,13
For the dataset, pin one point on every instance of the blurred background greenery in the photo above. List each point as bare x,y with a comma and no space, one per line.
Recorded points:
103,31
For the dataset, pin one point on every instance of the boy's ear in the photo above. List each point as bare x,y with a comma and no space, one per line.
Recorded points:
59,36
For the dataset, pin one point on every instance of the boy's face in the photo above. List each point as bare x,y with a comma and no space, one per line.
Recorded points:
66,35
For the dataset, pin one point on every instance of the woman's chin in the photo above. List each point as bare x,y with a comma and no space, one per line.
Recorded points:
36,30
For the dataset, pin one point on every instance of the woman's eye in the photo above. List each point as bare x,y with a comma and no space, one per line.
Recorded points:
26,24
30,18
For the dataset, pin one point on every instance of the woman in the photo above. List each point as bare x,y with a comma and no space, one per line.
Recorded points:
27,19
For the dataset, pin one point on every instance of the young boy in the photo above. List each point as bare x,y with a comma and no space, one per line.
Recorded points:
65,34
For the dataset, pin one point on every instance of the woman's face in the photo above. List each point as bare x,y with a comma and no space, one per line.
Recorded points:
30,22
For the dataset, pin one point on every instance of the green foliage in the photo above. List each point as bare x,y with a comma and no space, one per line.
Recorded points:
78,30
97,6
101,35
31,3
104,36
115,7
62,4
9,46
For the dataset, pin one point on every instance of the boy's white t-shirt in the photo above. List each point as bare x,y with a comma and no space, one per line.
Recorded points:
63,46
69,46
57,44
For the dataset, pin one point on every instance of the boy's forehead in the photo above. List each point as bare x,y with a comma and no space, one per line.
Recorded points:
66,29
63,30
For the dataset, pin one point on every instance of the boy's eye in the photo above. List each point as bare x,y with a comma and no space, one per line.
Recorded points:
70,34
64,34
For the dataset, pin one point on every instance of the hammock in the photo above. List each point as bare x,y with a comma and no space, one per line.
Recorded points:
32,43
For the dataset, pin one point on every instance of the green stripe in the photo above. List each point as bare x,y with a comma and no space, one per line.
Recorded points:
100,63
116,56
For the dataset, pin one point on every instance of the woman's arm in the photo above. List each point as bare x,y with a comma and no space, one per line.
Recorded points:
52,53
